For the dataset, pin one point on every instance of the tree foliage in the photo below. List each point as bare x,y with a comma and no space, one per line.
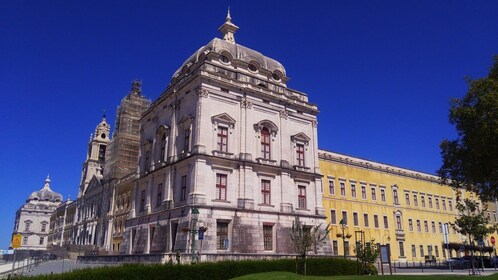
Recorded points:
305,238
367,254
472,221
471,160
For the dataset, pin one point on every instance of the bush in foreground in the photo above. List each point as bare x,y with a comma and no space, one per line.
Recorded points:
219,270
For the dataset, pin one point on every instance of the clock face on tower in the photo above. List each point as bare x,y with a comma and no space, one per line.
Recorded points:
102,136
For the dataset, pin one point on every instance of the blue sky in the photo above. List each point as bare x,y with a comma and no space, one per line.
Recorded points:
381,72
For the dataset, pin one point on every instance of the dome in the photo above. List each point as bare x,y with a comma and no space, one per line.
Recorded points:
46,194
228,47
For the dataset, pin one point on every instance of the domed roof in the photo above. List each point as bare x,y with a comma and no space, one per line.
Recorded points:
46,194
227,46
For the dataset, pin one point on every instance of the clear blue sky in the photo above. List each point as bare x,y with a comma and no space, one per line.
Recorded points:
381,72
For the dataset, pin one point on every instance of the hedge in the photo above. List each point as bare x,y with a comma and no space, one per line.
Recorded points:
218,270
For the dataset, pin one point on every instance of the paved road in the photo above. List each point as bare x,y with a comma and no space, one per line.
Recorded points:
59,266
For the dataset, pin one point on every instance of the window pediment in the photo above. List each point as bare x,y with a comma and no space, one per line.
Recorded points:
223,118
186,120
162,129
268,124
300,137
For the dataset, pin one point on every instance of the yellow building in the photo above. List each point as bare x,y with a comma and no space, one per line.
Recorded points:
405,208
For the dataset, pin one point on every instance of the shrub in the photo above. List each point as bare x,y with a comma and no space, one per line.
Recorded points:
219,270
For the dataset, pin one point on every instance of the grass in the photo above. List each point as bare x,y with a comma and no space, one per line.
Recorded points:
280,275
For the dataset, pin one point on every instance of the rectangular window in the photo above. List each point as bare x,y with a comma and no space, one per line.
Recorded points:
101,153
147,161
398,223
440,227
353,190
407,198
335,248
333,218
265,143
414,251
436,251
415,200
429,250
186,141
222,139
346,247
437,203
426,226
374,194
433,224
430,201
363,192
422,250
450,205
301,199
331,187
43,227
343,188
443,201
268,237
25,240
386,224
41,240
410,224
355,219
365,219
159,195
221,186
221,235
266,192
300,154
422,199
142,201
494,216
419,229
376,221
383,195
401,248
184,188
395,197
163,148
345,217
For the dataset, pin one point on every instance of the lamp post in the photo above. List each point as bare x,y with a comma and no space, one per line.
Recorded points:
343,227
195,216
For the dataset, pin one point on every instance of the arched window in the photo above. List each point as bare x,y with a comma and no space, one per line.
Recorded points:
265,143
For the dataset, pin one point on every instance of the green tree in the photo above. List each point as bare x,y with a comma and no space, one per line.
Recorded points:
367,255
472,222
470,161
306,238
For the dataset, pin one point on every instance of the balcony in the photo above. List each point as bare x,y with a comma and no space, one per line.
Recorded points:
400,234
266,161
301,168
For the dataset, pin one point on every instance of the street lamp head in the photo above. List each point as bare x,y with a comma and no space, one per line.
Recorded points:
343,224
195,212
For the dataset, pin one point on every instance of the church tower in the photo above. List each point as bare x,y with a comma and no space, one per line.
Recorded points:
95,159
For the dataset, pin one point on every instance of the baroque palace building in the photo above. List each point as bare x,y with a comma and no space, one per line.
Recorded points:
407,209
229,139
230,149
33,218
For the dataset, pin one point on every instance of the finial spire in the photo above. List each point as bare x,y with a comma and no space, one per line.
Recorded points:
228,29
229,19
47,183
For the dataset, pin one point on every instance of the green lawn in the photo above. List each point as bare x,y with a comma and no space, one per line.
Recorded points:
277,275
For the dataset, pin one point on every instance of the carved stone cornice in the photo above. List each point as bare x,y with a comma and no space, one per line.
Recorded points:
202,92
284,114
314,123
244,103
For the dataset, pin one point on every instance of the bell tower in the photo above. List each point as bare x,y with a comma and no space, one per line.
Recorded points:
95,159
